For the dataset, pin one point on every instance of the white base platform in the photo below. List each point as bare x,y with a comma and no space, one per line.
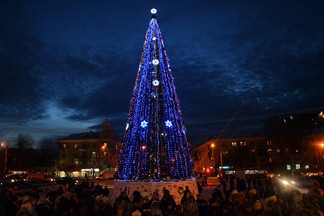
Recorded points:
147,188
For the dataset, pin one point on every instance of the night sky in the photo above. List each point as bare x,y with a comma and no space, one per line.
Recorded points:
66,66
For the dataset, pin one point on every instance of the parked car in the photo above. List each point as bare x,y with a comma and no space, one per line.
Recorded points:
42,177
13,178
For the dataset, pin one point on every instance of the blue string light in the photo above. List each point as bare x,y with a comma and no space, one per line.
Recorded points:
155,146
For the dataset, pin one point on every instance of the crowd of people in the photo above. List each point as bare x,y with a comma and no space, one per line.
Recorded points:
234,196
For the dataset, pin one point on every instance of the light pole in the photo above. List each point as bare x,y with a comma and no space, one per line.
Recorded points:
5,157
321,156
221,157
103,147
213,157
220,154
212,147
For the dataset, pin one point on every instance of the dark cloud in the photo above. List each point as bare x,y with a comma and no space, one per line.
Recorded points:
77,62
21,99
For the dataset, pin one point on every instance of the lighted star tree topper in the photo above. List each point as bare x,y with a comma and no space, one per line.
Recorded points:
155,146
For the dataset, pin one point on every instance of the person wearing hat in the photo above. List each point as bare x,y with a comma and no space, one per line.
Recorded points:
253,203
155,210
137,201
168,204
233,196
190,207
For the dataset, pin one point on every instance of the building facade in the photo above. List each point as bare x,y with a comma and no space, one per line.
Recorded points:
232,153
290,153
81,154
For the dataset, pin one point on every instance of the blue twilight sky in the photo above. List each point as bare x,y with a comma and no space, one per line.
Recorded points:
66,66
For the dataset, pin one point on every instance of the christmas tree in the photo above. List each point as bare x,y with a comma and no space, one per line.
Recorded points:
155,146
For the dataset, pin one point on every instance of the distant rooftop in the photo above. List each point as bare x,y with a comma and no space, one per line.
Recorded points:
105,133
85,135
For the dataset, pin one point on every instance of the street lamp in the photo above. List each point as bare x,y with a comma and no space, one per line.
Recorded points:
220,153
212,147
321,155
318,152
5,157
103,147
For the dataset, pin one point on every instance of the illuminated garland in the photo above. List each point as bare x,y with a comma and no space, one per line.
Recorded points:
155,146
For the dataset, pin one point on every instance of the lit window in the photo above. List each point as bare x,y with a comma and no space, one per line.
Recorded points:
76,161
93,154
244,143
76,146
307,167
241,143
64,146
297,166
105,144
288,167
233,144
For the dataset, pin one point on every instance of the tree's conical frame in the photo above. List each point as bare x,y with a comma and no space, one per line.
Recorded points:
155,145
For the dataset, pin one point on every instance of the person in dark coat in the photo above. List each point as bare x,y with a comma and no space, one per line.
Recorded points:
190,207
168,205
202,205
